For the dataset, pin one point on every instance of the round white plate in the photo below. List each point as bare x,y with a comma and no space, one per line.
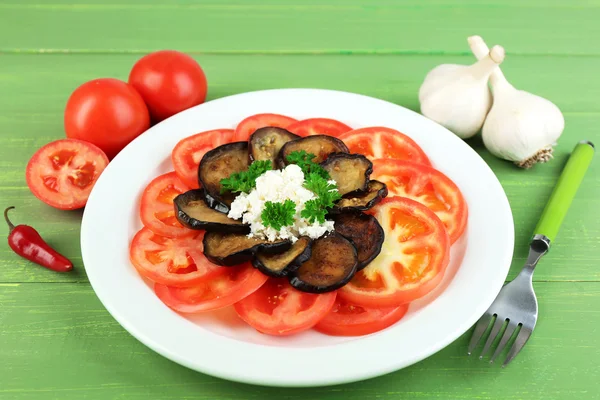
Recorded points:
221,345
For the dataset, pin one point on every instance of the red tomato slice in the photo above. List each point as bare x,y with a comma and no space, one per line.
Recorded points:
157,211
427,186
221,291
254,122
413,258
188,152
378,142
279,309
348,319
172,261
318,126
63,173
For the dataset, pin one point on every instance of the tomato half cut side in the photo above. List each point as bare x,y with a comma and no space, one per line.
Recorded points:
248,125
379,142
319,126
427,186
279,309
412,261
349,319
63,173
186,155
157,210
221,291
172,261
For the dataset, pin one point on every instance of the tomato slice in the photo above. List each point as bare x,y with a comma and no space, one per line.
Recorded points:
379,142
318,126
413,258
254,122
157,210
63,173
279,309
348,319
221,291
172,261
186,155
427,186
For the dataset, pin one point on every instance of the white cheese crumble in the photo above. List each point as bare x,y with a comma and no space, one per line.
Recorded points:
278,186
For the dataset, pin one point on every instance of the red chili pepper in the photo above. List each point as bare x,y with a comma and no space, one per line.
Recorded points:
27,242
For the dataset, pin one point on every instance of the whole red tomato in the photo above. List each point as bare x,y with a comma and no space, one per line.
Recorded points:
106,112
169,81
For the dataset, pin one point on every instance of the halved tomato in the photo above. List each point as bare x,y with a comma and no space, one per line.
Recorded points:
279,309
221,291
157,210
254,122
413,258
428,186
186,155
172,261
379,142
348,319
318,126
63,173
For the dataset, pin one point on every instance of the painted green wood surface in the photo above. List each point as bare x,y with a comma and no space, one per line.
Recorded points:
56,339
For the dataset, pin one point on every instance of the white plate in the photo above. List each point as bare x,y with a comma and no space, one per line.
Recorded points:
218,343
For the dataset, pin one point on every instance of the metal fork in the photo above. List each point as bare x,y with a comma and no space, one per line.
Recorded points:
516,308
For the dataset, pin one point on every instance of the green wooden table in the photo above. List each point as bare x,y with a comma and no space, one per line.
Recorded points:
56,339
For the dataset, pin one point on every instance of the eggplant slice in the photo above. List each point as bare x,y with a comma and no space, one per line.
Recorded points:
365,233
332,264
235,248
376,191
192,211
220,163
279,265
319,145
351,172
265,143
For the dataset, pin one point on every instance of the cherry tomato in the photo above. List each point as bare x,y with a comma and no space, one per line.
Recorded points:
177,262
427,186
169,81
318,126
106,112
379,142
157,210
413,258
221,291
279,309
188,152
348,319
63,173
247,126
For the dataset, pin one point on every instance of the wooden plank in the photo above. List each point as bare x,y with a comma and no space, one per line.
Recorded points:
326,26
58,342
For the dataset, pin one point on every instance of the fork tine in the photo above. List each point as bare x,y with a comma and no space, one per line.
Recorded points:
480,328
510,329
520,341
495,331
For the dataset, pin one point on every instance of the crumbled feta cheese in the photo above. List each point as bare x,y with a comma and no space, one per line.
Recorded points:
278,186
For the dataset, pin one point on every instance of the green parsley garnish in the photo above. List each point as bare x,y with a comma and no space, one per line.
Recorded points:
245,181
314,211
327,195
277,215
304,160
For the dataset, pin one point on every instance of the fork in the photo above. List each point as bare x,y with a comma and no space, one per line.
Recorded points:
514,312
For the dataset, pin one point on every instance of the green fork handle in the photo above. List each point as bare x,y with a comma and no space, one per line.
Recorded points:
565,189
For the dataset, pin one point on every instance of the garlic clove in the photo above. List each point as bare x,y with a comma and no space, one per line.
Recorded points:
457,96
520,127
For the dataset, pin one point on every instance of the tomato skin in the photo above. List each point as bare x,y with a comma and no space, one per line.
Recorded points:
348,319
319,126
63,172
248,125
169,82
106,112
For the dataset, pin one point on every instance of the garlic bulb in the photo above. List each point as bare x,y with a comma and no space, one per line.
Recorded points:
458,96
520,127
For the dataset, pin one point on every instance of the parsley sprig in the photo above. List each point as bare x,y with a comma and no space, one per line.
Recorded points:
277,215
304,160
245,181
